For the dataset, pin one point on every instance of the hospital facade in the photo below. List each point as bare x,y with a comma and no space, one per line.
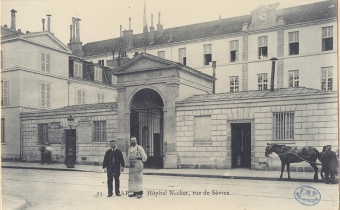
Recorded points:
157,86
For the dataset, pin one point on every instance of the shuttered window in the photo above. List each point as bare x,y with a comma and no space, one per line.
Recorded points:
4,93
100,98
45,95
98,74
78,70
45,60
43,133
80,96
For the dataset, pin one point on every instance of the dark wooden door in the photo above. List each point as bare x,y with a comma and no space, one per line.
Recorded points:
70,147
241,145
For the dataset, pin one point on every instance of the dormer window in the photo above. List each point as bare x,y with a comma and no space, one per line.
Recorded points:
263,47
78,69
98,74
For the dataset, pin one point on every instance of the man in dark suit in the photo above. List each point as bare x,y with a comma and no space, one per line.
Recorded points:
113,163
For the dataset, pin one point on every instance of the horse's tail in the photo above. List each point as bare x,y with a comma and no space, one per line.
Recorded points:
318,154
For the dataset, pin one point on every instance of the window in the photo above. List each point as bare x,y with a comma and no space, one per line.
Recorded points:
45,62
207,54
43,133
202,129
4,93
161,54
182,56
233,84
101,62
2,130
78,70
80,97
262,81
233,45
113,79
283,126
293,43
2,58
327,78
263,47
293,78
45,95
98,74
100,98
327,38
99,131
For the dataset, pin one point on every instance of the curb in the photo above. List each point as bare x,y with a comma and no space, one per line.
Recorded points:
173,174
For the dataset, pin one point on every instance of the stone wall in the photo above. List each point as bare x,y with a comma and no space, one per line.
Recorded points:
87,151
316,124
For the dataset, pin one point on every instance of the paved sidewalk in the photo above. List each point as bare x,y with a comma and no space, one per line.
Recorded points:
208,173
13,203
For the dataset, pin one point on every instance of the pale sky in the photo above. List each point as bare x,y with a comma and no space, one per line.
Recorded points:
100,19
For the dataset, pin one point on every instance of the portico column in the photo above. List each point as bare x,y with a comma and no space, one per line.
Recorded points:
123,122
170,157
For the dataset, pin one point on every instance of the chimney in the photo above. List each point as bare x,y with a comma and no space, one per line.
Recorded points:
74,29
70,33
128,37
120,31
78,30
273,73
5,25
43,24
13,26
48,23
152,31
159,26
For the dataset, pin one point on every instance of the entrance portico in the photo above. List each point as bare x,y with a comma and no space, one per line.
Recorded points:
151,85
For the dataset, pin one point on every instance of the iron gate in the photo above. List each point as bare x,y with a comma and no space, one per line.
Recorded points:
147,126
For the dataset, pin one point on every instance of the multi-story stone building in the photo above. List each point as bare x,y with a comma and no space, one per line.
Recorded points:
39,72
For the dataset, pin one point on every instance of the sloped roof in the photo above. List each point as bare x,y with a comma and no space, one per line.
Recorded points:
292,15
82,107
255,94
5,31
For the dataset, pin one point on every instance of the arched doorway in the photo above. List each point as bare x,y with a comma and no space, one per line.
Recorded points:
146,124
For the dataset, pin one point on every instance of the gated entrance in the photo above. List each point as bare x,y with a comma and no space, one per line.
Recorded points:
146,124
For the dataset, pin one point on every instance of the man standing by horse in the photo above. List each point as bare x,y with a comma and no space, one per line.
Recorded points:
329,162
137,157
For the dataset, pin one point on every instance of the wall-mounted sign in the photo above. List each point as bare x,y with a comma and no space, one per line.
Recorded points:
55,125
84,123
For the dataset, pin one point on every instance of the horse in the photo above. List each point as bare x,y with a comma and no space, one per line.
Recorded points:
290,155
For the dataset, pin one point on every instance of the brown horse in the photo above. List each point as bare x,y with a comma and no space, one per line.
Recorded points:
290,155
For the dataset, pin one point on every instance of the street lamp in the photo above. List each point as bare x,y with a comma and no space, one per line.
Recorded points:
69,152
70,121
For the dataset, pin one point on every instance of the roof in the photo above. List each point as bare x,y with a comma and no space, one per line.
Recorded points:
293,15
7,32
255,94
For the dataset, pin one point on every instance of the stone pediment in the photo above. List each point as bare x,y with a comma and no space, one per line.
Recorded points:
264,17
144,62
45,39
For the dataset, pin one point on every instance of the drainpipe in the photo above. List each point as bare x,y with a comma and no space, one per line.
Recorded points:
214,75
273,73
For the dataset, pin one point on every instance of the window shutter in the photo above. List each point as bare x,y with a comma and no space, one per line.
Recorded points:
48,95
102,98
98,98
80,66
40,133
79,96
83,97
42,89
100,75
5,92
75,73
42,62
330,31
48,63
2,58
